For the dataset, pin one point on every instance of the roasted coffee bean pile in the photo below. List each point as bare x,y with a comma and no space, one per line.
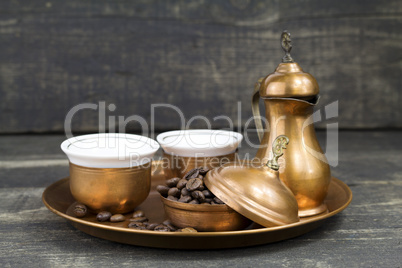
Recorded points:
140,222
190,189
137,221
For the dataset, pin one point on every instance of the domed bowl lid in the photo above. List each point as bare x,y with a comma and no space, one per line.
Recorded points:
255,192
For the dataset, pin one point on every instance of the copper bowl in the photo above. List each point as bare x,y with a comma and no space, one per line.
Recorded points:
205,218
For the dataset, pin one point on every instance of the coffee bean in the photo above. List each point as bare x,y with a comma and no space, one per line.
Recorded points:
185,199
151,226
141,223
193,184
198,195
218,201
174,192
194,201
117,218
213,203
201,188
172,182
103,216
181,184
189,230
139,219
138,213
200,177
166,222
185,192
80,210
208,200
137,225
191,174
161,228
162,189
170,197
203,170
205,203
171,227
208,194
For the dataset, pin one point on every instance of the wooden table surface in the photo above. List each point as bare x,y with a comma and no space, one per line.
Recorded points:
367,234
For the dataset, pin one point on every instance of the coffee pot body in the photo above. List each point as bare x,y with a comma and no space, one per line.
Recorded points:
304,168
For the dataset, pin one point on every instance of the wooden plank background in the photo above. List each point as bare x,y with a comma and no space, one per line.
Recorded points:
201,56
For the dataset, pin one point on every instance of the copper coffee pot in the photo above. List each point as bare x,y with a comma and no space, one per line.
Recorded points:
290,95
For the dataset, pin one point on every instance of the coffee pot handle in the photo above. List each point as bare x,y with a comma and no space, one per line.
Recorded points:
278,146
256,109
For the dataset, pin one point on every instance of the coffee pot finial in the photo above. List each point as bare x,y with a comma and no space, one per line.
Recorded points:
286,46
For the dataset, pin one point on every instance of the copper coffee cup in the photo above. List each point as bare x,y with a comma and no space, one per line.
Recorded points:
184,150
110,172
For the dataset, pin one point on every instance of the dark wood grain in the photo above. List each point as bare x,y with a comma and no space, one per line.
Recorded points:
202,56
367,234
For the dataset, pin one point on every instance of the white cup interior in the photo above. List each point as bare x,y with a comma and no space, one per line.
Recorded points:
199,143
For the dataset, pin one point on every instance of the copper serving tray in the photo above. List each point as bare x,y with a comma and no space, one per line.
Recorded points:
58,199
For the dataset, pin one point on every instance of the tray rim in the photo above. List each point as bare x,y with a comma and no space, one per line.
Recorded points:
313,219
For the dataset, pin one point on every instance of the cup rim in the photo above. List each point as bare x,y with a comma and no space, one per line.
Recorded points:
209,151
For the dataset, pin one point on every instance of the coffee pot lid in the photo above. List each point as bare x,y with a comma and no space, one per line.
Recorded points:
289,80
256,192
